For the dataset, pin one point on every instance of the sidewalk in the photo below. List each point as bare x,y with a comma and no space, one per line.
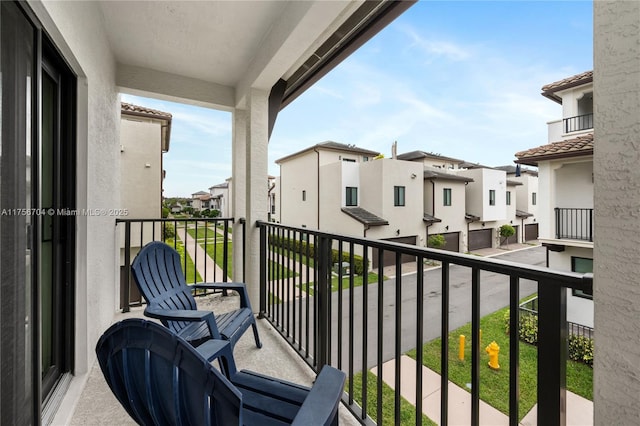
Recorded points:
579,410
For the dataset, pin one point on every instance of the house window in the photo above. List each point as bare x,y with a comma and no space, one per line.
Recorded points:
304,195
352,196
398,195
508,198
582,265
534,198
492,197
446,196
365,158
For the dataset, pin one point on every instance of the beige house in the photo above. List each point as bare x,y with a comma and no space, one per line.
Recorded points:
144,136
526,201
220,196
566,175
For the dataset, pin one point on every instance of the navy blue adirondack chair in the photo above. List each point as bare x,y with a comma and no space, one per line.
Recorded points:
158,274
160,379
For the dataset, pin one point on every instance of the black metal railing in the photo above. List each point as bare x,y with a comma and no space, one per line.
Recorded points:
577,123
530,307
204,245
356,319
574,224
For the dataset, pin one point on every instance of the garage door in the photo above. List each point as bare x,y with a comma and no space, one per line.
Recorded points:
512,239
452,241
479,239
531,232
389,257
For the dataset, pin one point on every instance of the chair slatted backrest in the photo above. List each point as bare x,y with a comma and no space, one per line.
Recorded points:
158,272
161,380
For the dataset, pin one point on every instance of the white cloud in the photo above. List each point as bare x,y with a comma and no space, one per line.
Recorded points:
433,47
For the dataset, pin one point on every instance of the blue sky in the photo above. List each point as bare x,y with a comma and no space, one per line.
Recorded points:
461,79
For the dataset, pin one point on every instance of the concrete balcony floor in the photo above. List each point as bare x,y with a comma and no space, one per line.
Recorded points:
98,406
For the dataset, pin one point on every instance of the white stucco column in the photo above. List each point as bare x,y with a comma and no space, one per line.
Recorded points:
250,143
617,211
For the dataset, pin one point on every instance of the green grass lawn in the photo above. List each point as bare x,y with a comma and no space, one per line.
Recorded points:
204,232
191,275
494,385
216,252
407,409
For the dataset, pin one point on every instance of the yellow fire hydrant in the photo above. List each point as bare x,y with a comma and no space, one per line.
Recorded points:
493,350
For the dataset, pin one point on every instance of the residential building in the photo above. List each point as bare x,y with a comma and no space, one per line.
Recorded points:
526,200
566,177
220,198
144,137
200,200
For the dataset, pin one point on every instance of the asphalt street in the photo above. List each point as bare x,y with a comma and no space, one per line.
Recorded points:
360,318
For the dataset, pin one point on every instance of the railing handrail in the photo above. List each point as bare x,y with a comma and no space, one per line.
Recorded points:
182,219
573,280
578,116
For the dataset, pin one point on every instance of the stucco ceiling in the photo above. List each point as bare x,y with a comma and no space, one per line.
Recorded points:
234,45
209,40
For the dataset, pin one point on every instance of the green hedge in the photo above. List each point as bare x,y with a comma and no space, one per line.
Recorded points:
300,247
580,347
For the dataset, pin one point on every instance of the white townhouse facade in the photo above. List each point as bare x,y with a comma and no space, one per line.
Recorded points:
220,198
526,200
566,176
301,182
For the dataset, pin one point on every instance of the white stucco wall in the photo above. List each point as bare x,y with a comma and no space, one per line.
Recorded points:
451,216
574,185
477,193
140,168
617,183
300,174
332,198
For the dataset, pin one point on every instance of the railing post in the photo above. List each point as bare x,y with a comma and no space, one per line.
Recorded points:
552,354
127,267
263,266
591,225
323,295
558,226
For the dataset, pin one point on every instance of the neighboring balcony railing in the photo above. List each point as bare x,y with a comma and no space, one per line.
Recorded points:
530,307
204,244
577,123
321,293
574,224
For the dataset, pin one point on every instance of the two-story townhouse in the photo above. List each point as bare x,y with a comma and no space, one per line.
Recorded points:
200,200
220,198
301,183
486,205
444,206
565,168
526,201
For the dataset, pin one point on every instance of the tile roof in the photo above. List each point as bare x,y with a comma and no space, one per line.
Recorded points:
575,147
364,216
549,90
140,110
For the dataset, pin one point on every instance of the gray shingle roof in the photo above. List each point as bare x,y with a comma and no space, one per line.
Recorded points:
332,146
364,216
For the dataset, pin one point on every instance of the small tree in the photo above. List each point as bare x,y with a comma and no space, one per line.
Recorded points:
165,212
436,241
507,231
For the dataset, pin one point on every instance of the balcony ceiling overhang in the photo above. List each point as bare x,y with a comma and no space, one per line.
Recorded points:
213,52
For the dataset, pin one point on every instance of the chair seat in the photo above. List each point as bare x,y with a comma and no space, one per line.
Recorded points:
230,324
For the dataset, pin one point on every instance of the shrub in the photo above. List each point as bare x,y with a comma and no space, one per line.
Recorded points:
580,347
168,231
302,247
165,212
436,241
507,231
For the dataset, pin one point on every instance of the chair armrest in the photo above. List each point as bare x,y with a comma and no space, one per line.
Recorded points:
321,405
241,288
184,315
